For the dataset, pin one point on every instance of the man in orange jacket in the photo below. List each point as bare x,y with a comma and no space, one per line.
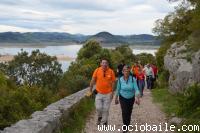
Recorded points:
104,78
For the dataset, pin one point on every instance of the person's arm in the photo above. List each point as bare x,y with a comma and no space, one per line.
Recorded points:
153,75
113,88
143,74
92,83
113,84
93,80
137,93
117,92
144,71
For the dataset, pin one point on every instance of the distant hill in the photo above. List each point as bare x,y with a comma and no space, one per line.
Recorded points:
105,38
35,37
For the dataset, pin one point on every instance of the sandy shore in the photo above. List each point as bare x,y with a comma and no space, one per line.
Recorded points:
6,58
64,58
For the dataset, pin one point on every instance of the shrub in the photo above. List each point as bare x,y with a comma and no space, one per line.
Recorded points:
89,49
18,103
145,58
35,69
189,102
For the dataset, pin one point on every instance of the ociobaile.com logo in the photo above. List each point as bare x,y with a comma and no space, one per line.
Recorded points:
149,128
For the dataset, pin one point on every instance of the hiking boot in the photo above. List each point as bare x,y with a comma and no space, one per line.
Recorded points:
99,120
106,123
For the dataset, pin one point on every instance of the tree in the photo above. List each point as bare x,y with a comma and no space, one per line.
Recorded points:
18,102
175,24
80,72
36,69
89,49
127,53
116,58
180,25
146,58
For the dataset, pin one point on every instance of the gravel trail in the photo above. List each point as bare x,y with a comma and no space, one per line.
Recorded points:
147,112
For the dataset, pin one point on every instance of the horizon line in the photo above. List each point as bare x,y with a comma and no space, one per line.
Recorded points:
76,33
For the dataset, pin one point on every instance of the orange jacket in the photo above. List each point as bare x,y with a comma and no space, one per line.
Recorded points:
104,80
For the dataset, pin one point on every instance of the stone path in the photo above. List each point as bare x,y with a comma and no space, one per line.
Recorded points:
147,112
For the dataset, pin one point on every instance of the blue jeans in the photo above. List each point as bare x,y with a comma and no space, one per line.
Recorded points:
141,85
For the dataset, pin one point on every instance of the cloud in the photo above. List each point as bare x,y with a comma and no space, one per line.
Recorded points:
98,5
10,2
78,16
7,28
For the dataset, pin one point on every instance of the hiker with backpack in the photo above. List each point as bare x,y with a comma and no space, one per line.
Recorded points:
127,93
134,69
149,76
119,69
141,80
155,71
104,78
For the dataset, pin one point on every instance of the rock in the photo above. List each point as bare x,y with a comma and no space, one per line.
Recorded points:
48,120
196,68
183,73
28,126
175,120
174,45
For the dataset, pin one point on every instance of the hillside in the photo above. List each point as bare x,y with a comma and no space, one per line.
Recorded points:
55,37
106,37
36,37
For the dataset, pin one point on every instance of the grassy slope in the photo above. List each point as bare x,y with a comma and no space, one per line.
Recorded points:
168,102
78,116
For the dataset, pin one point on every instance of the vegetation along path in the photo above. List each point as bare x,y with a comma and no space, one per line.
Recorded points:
146,112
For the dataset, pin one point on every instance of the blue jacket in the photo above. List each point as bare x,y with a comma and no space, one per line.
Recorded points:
127,89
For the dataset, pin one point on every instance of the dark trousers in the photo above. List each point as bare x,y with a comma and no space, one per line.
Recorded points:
149,82
126,107
154,80
141,84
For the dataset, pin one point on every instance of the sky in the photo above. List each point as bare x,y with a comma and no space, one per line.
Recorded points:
120,17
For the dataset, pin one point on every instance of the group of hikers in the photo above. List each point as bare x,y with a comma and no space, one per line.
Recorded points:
129,88
141,73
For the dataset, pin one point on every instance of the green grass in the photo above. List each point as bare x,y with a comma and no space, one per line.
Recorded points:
179,105
77,117
169,103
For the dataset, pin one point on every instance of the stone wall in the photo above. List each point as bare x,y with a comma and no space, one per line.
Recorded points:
49,120
183,66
